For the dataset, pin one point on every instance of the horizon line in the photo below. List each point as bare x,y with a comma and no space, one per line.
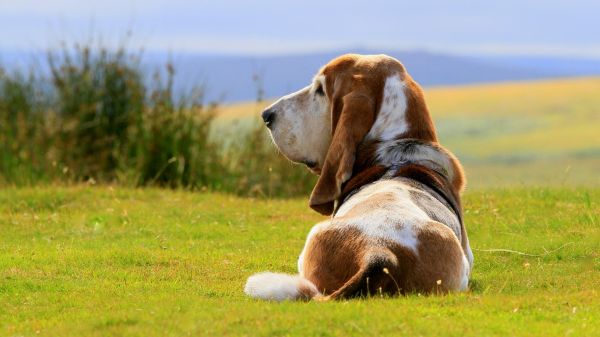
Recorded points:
215,52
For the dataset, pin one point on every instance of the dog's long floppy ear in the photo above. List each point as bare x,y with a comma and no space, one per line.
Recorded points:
352,118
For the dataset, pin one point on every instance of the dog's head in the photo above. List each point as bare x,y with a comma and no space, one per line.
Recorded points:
353,99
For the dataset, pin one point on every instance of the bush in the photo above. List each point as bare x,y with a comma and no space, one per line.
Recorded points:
172,143
99,99
25,130
94,119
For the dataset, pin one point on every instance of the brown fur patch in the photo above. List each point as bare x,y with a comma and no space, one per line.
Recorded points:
333,257
420,125
353,122
438,259
365,177
343,263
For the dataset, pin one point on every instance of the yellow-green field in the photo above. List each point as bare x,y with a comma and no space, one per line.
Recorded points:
529,133
111,261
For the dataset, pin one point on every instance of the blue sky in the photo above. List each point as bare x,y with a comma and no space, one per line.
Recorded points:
565,28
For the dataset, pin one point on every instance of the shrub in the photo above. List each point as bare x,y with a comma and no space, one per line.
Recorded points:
99,98
25,135
93,118
172,145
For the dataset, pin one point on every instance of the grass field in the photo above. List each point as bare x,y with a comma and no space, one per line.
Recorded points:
527,133
91,261
98,260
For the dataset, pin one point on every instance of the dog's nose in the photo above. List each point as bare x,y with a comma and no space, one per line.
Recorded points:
268,117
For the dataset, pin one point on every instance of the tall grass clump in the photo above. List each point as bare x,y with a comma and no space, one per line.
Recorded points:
173,146
25,130
100,121
258,169
97,117
99,100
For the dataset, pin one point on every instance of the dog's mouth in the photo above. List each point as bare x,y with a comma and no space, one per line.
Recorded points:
313,166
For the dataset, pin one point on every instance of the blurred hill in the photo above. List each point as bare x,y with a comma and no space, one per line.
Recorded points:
239,78
231,78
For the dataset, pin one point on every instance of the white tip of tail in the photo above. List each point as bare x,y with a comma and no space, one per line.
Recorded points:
279,287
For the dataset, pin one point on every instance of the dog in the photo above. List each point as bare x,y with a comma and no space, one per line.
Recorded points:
392,191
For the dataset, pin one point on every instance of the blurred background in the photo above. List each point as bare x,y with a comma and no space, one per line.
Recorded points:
168,93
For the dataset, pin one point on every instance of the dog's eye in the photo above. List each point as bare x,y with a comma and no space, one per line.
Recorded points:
319,91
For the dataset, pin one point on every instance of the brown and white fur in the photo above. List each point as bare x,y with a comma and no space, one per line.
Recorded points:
393,191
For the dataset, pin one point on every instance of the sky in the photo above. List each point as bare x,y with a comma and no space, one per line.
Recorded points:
516,27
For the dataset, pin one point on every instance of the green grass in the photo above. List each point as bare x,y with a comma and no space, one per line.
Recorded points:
81,261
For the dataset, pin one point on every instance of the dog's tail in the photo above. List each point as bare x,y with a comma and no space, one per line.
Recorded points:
280,287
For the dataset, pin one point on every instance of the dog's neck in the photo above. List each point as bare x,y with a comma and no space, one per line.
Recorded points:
424,162
400,151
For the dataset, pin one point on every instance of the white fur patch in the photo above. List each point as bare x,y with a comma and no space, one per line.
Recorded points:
464,279
396,220
391,119
469,254
404,235
277,287
302,125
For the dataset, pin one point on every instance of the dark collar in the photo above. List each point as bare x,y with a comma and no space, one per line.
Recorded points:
431,175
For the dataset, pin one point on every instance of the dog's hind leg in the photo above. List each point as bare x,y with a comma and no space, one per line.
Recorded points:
375,276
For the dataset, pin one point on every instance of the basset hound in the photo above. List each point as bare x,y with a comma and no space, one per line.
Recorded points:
393,192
